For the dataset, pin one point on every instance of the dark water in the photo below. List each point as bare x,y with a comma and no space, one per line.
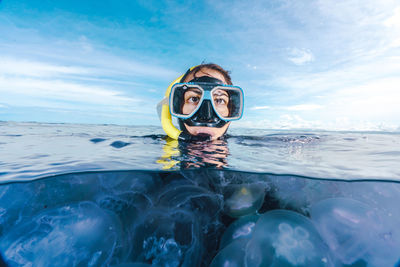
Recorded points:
80,195
198,217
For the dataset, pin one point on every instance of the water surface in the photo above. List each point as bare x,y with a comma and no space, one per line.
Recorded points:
32,150
106,195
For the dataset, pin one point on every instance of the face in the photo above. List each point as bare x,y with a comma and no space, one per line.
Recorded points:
221,100
192,96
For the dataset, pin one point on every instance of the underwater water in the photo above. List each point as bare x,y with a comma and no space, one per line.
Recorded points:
103,195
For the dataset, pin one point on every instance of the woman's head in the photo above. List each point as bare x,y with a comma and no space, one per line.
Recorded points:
209,69
207,73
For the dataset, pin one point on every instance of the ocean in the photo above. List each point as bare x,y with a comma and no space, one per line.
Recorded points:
109,195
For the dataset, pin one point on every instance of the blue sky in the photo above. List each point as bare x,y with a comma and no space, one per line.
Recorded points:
324,64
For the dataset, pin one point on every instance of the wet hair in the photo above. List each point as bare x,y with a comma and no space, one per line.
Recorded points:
211,66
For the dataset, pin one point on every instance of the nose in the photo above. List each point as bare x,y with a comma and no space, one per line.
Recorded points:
206,112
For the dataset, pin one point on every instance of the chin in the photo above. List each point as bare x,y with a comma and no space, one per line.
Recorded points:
214,132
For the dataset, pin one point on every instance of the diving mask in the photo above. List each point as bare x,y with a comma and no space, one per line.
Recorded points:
205,101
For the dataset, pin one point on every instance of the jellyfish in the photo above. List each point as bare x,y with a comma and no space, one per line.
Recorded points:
200,202
298,193
78,234
350,228
243,199
19,201
15,203
286,238
225,178
239,229
383,198
124,181
191,197
129,207
233,255
167,238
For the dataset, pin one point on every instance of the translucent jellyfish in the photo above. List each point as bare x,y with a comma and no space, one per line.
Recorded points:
129,207
349,227
383,198
15,204
243,199
124,181
20,201
23,200
224,178
286,238
200,202
191,197
168,238
298,193
233,255
241,228
74,235
197,177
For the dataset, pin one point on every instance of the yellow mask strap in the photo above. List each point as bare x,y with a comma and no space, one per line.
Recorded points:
166,119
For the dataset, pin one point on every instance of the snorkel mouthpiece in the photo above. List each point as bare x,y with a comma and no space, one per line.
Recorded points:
186,136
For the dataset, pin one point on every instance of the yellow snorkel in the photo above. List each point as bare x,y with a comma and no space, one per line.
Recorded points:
170,150
166,118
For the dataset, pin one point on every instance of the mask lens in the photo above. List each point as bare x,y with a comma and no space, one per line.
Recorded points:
185,99
228,102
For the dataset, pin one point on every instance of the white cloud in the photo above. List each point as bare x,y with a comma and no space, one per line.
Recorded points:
300,56
251,66
395,43
306,85
353,48
288,121
351,45
78,76
300,107
33,83
284,121
85,44
378,100
393,21
13,66
260,107
304,107
60,90
96,64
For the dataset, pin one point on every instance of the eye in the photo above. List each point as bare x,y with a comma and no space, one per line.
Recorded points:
193,99
220,101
